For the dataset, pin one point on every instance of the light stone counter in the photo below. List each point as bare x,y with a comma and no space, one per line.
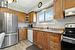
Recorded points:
59,31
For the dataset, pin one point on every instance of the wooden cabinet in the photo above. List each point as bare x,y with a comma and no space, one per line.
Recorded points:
21,15
32,17
60,6
47,40
55,41
69,3
37,38
22,34
58,9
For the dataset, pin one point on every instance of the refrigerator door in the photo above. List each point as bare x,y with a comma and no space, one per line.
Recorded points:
14,23
10,39
1,22
11,23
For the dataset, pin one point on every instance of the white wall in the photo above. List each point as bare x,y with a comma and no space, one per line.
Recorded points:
22,25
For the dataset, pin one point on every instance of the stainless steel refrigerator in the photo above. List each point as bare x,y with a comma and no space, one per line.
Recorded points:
9,25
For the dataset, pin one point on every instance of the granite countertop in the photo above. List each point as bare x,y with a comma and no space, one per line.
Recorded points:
53,30
22,27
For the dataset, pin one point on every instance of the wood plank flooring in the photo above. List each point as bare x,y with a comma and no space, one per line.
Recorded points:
20,46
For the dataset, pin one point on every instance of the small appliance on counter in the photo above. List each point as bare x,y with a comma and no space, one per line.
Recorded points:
30,25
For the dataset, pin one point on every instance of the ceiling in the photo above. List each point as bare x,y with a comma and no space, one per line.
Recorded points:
26,5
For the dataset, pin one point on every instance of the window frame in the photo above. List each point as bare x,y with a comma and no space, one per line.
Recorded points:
44,11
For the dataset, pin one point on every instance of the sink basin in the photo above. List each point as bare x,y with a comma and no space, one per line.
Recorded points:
1,38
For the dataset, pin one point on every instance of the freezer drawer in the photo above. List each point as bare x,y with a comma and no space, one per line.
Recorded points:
10,39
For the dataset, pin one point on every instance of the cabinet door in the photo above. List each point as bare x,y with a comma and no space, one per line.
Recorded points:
39,39
55,43
24,37
22,34
21,17
32,17
58,9
45,41
35,37
69,3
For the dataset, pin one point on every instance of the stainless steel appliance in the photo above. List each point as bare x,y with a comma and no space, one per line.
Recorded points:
69,34
69,12
68,42
9,25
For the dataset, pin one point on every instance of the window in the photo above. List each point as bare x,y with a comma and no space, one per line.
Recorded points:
40,16
49,14
45,15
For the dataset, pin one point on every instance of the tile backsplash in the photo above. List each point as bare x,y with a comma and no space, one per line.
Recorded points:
23,25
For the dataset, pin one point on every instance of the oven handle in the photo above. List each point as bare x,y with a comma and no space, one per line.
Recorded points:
64,37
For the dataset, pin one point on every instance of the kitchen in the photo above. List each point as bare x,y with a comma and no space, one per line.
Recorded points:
41,25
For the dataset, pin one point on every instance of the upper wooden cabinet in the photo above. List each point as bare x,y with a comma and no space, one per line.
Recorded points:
21,15
58,9
60,6
32,17
69,3
37,38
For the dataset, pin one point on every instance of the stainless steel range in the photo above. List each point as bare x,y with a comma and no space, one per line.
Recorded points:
69,34
68,42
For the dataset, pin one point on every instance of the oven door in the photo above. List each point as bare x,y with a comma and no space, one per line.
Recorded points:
67,46
68,43
68,39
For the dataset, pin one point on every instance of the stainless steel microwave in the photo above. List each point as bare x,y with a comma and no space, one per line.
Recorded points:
69,12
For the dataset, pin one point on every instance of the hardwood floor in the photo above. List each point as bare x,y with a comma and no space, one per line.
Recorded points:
20,46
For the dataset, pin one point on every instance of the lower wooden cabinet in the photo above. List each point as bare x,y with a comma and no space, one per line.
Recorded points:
39,39
47,40
37,36
22,34
55,41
